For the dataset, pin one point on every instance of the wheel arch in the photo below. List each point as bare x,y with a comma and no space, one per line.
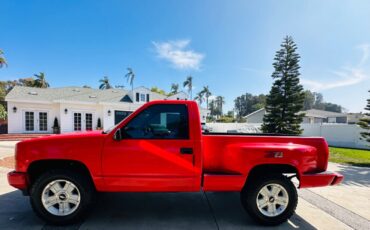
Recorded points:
37,168
262,169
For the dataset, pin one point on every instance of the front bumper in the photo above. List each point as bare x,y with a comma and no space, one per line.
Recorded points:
320,179
18,180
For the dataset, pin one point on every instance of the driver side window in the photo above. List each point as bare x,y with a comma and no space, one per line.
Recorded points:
159,122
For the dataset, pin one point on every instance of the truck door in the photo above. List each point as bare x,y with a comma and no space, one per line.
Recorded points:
154,151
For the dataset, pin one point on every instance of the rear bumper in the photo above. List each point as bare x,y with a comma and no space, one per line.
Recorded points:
320,179
18,180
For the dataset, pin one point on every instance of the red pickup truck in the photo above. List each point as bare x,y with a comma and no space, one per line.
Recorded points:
161,148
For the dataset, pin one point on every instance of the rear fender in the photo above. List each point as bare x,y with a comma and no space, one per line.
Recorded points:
241,158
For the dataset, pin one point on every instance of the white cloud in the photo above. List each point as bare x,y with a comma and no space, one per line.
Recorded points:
178,55
346,75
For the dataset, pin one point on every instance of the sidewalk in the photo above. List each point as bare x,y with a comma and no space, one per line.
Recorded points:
7,148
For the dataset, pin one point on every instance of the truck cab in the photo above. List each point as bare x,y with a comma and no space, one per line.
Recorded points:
159,149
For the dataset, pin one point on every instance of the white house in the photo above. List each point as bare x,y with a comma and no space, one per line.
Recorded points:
315,116
312,116
256,116
33,110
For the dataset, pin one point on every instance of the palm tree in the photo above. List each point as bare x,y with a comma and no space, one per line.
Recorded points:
174,88
206,93
2,59
199,97
189,84
212,108
220,101
130,75
105,83
40,81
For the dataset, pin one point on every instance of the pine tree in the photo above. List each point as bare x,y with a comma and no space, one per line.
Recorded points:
286,96
365,123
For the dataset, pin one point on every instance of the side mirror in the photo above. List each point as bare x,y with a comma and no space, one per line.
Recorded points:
117,135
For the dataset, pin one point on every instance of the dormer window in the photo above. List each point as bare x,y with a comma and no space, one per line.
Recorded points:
142,97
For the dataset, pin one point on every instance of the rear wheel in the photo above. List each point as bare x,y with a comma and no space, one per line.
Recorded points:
61,197
270,200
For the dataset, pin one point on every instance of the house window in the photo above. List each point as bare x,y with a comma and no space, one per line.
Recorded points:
88,120
29,121
147,98
43,121
332,119
77,121
142,97
137,97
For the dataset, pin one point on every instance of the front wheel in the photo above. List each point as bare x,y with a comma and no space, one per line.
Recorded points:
270,200
61,197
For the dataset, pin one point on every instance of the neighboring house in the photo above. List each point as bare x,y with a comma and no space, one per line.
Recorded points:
312,116
33,110
354,118
315,116
256,116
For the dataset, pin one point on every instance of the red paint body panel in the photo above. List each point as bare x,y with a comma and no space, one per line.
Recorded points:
320,179
18,180
214,182
218,162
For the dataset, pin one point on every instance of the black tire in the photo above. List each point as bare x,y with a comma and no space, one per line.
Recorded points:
81,181
250,192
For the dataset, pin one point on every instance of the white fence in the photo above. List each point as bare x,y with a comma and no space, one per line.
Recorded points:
339,135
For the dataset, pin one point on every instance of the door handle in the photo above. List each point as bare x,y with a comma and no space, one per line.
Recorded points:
186,150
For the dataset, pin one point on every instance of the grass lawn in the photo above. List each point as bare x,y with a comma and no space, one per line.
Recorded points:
355,157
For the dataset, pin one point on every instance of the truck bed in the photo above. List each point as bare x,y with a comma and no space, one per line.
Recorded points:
233,155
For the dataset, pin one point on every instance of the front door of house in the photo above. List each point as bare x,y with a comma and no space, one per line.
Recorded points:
35,121
82,121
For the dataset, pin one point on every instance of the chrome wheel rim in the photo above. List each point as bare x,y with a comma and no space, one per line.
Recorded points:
272,200
61,197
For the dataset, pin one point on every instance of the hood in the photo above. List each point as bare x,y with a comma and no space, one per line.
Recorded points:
66,136
79,146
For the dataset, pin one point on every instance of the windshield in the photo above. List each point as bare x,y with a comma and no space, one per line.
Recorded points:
108,130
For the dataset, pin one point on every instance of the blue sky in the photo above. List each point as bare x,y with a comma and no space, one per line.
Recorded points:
228,45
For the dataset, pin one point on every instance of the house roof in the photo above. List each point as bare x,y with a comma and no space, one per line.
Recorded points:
322,113
257,111
76,94
309,113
